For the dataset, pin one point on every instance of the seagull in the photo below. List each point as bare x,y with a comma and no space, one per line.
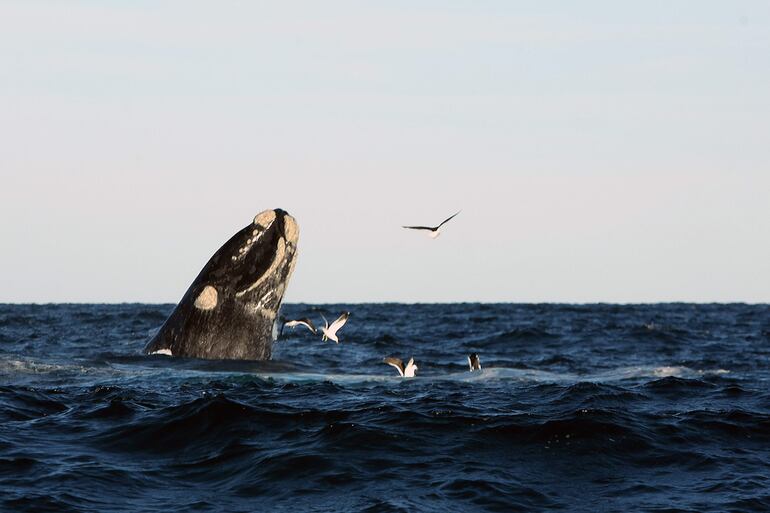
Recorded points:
404,372
433,231
473,362
330,332
293,323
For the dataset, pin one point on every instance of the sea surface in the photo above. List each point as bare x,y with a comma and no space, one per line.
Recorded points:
577,408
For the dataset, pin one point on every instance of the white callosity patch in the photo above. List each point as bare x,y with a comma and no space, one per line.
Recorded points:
262,222
166,352
264,219
290,229
207,299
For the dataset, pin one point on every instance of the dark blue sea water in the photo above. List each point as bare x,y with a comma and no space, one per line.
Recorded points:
577,408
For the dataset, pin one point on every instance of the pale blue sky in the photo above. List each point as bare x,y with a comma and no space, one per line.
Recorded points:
600,151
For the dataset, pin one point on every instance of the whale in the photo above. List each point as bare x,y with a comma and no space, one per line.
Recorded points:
229,311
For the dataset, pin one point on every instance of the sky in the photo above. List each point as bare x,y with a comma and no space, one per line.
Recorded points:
600,151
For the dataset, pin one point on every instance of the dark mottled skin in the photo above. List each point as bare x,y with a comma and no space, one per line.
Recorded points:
238,327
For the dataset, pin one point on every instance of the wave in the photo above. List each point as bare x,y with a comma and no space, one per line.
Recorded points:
24,403
522,335
749,426
488,493
661,333
200,422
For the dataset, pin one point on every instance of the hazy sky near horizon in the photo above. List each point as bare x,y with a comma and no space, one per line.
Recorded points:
599,150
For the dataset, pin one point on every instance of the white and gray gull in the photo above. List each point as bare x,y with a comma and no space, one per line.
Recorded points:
293,323
330,332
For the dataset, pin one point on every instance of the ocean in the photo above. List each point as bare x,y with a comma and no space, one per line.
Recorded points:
596,408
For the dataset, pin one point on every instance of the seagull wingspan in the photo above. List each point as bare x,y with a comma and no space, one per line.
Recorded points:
448,218
308,324
293,323
432,228
340,322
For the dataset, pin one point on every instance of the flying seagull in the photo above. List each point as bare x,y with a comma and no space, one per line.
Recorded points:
404,372
293,323
473,362
433,231
330,332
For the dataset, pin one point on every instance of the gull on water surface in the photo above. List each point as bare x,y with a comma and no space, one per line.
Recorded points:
403,371
473,362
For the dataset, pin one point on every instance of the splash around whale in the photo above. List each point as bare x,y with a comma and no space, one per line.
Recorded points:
230,309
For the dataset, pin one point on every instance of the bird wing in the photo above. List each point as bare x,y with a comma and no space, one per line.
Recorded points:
410,368
448,218
326,323
308,323
397,363
340,322
431,228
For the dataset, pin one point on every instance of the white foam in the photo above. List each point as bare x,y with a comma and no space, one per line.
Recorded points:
664,371
488,374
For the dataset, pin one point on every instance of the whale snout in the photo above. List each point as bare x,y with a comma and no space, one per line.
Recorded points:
266,260
285,224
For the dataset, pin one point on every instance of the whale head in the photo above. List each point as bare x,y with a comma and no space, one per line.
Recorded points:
254,266
230,309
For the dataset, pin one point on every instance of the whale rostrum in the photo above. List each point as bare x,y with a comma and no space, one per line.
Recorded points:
230,310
